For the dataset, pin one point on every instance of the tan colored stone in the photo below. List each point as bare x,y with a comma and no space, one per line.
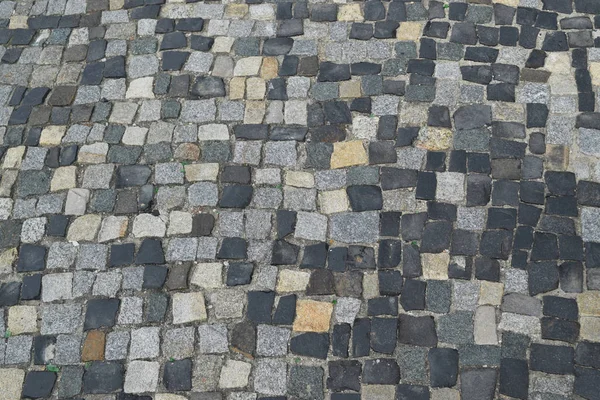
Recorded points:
22,319
312,316
445,394
93,347
269,68
435,138
180,223
292,281
558,63
378,392
435,265
414,114
255,112
346,154
222,45
7,258
93,153
589,303
504,111
557,157
207,275
7,180
116,4
300,179
113,227
64,178
247,66
255,88
562,84
12,379
370,285
188,307
84,228
237,88
590,329
491,293
409,30
201,172
350,89
18,22
13,157
510,3
595,72
333,201
236,11
52,135
234,374
350,12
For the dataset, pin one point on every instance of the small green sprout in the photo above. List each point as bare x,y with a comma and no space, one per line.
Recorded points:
446,5
52,368
297,360
334,301
88,364
171,359
7,334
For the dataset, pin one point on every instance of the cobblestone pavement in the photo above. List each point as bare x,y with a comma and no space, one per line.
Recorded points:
214,200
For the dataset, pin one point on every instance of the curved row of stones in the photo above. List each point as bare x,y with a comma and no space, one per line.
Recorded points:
214,200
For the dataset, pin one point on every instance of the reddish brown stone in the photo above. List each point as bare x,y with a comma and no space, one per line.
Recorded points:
93,347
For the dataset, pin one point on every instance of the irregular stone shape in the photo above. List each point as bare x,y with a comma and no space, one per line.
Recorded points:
471,117
346,154
38,384
365,198
132,175
331,72
312,316
310,344
277,46
208,86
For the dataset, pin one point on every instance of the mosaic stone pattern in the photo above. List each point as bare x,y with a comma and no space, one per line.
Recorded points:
302,200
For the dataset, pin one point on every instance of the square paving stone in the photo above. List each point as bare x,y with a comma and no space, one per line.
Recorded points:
101,313
103,377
